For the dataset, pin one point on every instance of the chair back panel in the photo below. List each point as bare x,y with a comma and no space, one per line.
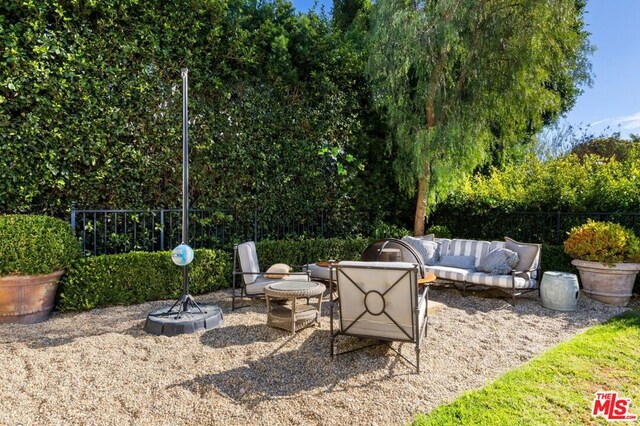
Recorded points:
248,257
378,299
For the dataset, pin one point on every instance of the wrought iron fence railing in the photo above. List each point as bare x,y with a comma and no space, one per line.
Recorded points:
120,231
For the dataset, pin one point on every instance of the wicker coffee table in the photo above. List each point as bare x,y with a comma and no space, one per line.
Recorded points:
299,315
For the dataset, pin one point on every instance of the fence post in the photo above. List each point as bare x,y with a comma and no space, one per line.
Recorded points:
162,229
73,219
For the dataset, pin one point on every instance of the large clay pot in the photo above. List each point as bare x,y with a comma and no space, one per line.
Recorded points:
27,299
607,284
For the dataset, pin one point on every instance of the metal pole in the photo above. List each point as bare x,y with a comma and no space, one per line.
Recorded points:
185,178
185,157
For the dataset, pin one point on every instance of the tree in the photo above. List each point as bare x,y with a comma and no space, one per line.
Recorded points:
607,147
458,79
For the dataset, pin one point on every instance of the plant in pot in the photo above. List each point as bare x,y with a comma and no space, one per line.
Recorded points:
606,255
34,252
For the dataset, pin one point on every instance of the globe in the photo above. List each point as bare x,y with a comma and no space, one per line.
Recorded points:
182,255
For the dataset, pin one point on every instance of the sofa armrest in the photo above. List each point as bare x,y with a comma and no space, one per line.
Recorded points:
515,272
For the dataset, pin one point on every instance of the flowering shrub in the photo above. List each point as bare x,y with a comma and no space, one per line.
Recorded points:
603,242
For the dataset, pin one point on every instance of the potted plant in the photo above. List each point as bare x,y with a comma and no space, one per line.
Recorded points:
34,251
606,255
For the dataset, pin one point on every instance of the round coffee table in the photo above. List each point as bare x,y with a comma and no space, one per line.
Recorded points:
299,315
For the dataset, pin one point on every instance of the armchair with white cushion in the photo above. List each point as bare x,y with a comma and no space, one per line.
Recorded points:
381,301
248,280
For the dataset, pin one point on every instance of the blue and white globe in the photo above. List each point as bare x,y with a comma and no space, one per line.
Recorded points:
182,255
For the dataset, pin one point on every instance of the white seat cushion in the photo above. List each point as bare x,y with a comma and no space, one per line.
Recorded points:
248,257
503,281
319,272
448,273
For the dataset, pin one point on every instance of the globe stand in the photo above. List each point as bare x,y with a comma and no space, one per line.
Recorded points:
185,315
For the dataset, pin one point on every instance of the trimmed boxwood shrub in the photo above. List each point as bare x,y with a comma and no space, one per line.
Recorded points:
32,245
299,252
136,277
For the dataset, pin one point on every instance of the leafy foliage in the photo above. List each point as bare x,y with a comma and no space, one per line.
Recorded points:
553,258
603,242
592,184
460,79
300,252
32,245
440,231
136,277
609,147
90,109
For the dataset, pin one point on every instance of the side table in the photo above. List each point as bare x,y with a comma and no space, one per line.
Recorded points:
559,291
299,315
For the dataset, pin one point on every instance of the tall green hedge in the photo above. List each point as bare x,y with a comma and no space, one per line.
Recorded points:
300,252
136,277
31,245
90,110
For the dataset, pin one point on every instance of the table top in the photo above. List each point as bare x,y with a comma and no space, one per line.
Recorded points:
428,278
295,288
293,285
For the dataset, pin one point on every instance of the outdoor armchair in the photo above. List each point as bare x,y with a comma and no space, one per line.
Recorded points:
248,280
381,301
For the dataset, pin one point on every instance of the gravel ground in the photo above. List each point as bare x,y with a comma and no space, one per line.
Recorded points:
101,368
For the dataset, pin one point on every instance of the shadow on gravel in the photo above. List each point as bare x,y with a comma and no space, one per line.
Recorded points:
285,374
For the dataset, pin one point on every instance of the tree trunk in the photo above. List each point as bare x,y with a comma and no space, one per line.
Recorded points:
421,201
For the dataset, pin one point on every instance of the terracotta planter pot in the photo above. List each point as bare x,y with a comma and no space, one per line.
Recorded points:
607,284
26,299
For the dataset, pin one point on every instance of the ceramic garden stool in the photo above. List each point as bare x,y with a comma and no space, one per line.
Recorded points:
559,291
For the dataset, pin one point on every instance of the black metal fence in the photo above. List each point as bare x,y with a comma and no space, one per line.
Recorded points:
546,227
121,231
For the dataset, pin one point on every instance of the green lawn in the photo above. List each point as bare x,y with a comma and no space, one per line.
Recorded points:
558,386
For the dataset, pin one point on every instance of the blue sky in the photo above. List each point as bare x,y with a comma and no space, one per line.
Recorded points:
613,101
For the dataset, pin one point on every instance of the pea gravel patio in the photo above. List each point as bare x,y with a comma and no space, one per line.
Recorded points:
100,367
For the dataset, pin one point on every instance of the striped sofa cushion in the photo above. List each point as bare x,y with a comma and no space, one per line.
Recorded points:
443,246
495,245
448,273
503,281
468,248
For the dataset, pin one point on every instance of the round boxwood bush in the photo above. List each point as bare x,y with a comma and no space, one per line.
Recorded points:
603,242
31,245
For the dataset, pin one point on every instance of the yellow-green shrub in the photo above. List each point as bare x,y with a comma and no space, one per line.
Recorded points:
604,242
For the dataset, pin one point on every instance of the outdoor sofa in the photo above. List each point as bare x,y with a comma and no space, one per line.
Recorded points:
461,261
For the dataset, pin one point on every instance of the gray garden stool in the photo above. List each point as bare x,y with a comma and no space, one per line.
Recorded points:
559,291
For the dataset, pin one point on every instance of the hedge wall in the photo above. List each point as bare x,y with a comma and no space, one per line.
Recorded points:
300,252
136,277
90,110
